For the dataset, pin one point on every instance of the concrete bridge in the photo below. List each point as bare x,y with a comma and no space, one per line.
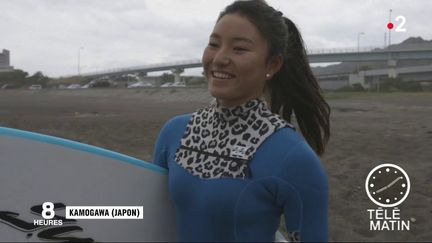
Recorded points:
391,54
175,67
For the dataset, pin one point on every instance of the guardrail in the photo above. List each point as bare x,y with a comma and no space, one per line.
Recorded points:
147,66
323,51
405,47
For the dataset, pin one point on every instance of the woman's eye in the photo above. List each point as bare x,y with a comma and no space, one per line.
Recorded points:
212,44
240,49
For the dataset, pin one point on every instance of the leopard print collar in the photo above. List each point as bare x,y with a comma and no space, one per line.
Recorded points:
235,112
220,141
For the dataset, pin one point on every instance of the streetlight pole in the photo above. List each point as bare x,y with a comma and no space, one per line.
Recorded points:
79,60
358,50
389,30
388,49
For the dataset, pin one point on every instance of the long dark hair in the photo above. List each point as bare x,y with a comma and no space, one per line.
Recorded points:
294,87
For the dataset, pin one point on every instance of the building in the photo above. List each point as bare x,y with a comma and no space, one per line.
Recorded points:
5,61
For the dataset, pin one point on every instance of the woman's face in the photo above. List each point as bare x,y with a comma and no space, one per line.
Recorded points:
235,61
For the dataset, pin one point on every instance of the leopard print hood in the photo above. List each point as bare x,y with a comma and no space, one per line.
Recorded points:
220,141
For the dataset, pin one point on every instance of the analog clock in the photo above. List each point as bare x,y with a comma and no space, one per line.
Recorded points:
387,185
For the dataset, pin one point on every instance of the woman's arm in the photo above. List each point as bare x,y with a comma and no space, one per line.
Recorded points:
159,153
305,195
161,145
170,134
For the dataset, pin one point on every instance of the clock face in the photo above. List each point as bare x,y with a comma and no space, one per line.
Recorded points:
387,185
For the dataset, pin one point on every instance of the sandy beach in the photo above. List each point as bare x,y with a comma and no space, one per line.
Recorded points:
367,129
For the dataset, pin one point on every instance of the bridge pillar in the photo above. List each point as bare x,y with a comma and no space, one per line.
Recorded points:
358,78
392,73
177,72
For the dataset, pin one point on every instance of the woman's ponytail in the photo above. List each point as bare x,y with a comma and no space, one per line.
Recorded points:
294,89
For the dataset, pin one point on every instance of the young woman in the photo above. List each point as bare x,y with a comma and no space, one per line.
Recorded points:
237,165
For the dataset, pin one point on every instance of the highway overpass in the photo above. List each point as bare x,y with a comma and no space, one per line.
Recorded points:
407,52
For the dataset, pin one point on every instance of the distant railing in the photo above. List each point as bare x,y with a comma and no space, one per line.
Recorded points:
341,50
405,47
141,67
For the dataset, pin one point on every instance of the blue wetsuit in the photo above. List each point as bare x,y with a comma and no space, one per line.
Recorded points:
286,178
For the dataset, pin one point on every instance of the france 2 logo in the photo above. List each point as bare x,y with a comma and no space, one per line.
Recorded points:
401,20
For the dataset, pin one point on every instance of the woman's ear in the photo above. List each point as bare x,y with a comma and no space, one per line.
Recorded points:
274,65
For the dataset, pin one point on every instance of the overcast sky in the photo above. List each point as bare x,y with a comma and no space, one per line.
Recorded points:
45,35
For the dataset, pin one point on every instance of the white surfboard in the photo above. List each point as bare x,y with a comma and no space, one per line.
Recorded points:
36,168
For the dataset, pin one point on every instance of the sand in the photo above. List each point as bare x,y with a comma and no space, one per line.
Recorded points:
367,129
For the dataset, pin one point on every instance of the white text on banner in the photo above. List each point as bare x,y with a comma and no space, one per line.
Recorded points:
104,212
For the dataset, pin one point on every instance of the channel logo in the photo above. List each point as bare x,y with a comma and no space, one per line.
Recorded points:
387,186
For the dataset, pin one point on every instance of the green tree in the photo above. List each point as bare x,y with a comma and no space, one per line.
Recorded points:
166,77
397,84
15,78
38,78
365,67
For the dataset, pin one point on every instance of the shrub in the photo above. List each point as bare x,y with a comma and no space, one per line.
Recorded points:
397,84
352,88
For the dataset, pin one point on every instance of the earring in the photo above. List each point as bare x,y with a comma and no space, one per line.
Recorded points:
267,75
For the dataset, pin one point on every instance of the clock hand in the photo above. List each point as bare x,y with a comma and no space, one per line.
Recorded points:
389,185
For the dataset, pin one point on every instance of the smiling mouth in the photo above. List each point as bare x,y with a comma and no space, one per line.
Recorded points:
221,75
